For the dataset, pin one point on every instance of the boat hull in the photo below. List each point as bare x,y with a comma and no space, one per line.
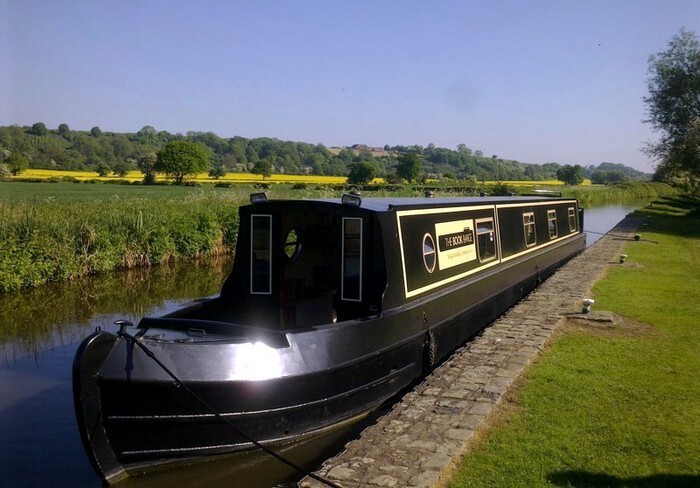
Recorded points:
87,399
189,385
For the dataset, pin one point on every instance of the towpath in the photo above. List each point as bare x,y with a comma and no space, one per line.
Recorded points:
425,433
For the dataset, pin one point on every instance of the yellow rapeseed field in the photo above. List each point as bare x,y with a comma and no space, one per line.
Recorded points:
535,183
242,178
201,177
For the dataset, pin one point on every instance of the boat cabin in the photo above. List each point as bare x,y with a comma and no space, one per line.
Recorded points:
302,264
306,263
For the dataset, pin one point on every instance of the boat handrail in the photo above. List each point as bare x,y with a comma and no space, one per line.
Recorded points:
273,338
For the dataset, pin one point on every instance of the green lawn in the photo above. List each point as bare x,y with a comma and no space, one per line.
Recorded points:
614,407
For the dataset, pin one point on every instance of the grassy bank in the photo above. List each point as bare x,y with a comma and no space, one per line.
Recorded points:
63,230
613,406
51,239
598,194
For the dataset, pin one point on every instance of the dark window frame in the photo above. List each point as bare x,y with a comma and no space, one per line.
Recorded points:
254,252
478,240
529,221
572,218
344,265
552,219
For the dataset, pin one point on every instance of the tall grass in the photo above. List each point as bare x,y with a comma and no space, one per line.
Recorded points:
596,194
41,241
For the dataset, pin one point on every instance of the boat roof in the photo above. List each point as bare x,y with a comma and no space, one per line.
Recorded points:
397,203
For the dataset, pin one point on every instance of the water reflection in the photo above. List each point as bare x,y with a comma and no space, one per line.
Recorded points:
34,320
252,469
40,330
599,220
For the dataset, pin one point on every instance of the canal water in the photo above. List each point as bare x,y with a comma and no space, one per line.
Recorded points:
599,220
40,330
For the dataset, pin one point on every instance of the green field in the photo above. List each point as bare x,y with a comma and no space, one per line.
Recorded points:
614,407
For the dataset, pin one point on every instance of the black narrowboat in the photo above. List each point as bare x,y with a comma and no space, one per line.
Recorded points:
331,308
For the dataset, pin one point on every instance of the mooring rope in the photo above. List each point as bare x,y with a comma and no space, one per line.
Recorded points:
608,234
635,237
122,333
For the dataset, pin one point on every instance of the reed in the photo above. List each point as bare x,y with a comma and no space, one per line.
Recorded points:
42,241
597,194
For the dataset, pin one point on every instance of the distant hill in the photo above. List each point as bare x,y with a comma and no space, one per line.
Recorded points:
94,150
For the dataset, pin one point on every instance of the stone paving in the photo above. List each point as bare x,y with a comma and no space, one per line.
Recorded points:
428,430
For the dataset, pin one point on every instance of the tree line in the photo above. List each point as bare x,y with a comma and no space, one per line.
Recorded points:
38,146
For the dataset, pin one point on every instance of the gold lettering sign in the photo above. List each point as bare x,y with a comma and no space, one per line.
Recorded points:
464,238
455,243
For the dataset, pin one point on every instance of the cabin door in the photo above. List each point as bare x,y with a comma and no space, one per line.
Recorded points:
309,267
354,254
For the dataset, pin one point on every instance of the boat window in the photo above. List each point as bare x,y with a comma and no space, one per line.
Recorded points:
485,240
552,223
352,259
429,253
261,254
292,245
572,219
529,227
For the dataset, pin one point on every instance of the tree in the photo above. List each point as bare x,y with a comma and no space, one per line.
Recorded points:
147,136
17,163
683,164
63,129
673,106
217,171
103,169
263,168
599,177
96,131
121,169
181,158
346,155
147,166
361,173
38,129
571,175
410,167
608,177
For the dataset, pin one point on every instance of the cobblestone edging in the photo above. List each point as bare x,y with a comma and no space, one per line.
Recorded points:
432,425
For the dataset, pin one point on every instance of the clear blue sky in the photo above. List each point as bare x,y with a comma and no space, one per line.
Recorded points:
536,81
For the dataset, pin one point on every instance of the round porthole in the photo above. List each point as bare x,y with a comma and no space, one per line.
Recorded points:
429,253
292,245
